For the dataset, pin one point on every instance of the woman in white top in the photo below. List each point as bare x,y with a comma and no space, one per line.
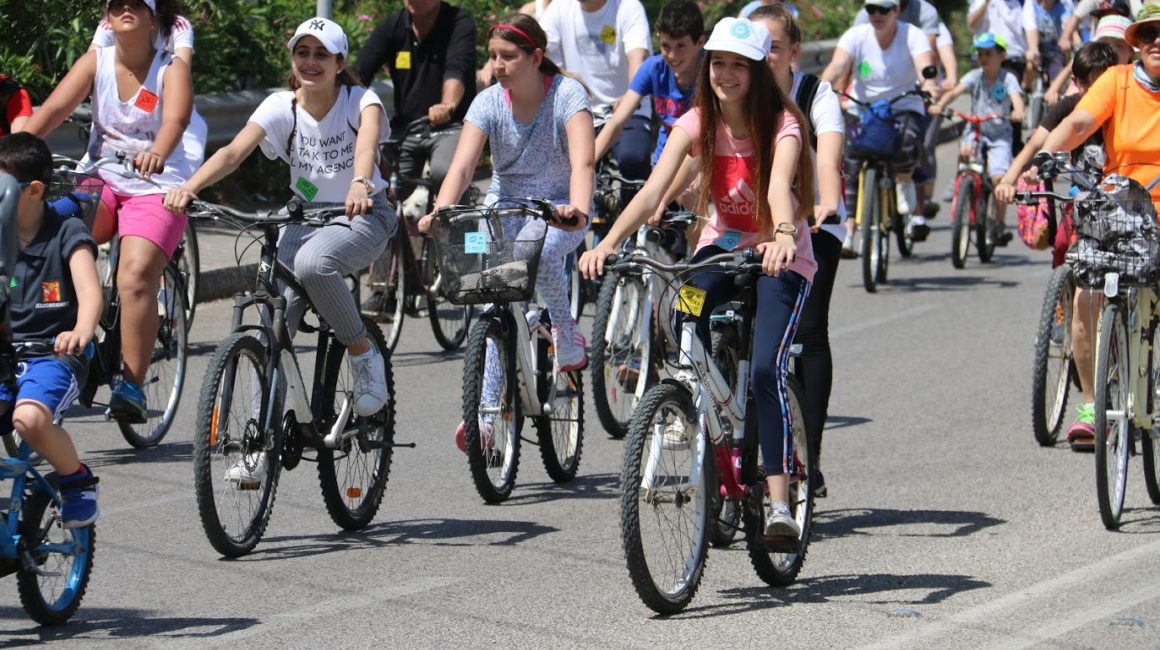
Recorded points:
173,33
827,128
142,107
328,128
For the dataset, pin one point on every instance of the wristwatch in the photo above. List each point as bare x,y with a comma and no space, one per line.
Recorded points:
366,183
787,228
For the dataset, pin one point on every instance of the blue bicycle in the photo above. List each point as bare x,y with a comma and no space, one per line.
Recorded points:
52,564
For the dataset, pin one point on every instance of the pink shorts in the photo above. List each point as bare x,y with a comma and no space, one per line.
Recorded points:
143,216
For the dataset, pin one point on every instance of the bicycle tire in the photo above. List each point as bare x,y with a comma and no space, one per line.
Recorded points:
1113,443
961,221
898,225
985,227
668,594
776,568
1149,443
869,218
614,389
189,264
167,365
211,443
1051,369
492,470
561,437
352,498
450,323
38,593
577,298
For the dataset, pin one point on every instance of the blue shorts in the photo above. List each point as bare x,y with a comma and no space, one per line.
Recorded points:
46,380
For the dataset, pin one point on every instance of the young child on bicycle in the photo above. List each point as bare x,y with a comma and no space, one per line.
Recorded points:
668,77
328,128
143,108
994,91
55,303
540,128
747,135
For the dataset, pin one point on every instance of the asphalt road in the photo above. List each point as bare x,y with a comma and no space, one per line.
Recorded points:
946,525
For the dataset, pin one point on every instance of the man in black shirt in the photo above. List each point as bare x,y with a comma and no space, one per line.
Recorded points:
429,51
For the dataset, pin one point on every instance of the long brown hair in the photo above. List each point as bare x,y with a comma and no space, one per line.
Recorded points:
525,33
764,102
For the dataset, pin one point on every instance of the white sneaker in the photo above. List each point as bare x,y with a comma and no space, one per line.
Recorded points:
370,382
779,522
571,348
917,229
249,470
904,194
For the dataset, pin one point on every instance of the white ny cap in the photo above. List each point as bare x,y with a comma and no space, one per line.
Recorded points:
740,36
328,32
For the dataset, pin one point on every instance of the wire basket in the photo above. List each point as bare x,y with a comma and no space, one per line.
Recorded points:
1117,233
488,255
73,193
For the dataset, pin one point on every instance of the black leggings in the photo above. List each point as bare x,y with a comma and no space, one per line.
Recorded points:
815,366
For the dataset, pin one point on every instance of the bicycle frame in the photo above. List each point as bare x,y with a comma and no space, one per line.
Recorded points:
1142,307
527,361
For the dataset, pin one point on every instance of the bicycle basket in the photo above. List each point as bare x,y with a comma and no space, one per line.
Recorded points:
1117,233
74,193
478,261
877,133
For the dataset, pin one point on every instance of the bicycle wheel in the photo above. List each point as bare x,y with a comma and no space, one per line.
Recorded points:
449,323
898,225
189,266
353,475
577,291
1113,420
666,492
166,375
961,221
985,226
1051,370
561,432
492,431
726,512
55,562
387,281
228,440
621,353
780,566
1150,444
869,218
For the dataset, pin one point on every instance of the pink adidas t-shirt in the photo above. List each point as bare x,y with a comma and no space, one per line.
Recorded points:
734,225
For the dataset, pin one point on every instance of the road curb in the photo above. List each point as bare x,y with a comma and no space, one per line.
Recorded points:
215,284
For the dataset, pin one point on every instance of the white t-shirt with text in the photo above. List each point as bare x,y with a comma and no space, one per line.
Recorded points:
322,156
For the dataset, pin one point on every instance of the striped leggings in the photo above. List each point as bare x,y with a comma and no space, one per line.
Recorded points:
321,258
779,305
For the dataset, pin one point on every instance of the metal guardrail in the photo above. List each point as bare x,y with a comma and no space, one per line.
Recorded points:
225,114
816,55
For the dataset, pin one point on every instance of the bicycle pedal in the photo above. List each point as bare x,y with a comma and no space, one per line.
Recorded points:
782,544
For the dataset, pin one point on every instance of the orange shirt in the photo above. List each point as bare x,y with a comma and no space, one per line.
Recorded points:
1130,116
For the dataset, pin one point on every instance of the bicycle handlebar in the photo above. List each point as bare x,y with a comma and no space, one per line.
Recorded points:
971,119
743,261
545,210
296,212
917,91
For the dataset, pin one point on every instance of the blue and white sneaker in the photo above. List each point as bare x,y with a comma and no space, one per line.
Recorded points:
127,403
78,492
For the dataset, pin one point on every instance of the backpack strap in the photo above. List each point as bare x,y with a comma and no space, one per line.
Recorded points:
8,90
807,90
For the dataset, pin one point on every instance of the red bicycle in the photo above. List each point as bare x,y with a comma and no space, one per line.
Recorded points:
971,212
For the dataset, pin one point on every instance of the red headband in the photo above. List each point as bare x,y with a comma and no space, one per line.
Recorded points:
516,30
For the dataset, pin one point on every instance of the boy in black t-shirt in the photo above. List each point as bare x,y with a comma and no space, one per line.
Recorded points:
55,302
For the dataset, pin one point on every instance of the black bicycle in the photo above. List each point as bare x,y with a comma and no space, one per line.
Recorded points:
256,418
406,279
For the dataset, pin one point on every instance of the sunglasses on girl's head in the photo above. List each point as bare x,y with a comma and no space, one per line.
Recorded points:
875,9
1146,34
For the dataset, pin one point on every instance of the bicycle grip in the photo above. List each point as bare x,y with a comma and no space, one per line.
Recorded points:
294,208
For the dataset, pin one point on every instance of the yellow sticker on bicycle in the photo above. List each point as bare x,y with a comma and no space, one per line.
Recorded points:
691,300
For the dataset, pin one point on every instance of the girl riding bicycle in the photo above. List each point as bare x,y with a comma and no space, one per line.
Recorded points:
328,128
143,108
746,132
542,145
